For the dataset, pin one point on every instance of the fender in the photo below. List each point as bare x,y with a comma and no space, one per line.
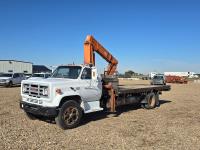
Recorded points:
59,97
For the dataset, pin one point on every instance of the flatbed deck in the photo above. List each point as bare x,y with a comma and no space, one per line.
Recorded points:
138,88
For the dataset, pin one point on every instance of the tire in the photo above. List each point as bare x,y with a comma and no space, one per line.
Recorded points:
151,101
10,84
69,116
30,116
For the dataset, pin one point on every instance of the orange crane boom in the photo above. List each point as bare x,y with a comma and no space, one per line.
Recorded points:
90,47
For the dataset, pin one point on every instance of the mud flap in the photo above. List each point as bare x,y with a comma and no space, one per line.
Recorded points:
157,99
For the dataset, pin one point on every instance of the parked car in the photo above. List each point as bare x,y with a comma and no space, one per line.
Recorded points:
10,79
40,75
158,79
28,76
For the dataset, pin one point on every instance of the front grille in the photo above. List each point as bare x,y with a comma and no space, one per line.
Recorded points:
34,90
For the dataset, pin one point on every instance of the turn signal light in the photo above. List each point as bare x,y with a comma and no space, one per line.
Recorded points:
58,91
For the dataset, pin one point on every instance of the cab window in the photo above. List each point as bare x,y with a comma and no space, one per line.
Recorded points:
16,75
47,75
21,75
86,74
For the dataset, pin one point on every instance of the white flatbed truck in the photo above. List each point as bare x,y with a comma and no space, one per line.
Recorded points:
74,90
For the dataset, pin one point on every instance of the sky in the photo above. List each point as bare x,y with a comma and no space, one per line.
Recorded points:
144,35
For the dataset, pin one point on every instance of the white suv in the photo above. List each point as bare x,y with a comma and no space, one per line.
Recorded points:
10,79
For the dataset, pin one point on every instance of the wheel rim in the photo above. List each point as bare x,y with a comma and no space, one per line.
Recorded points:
70,115
152,101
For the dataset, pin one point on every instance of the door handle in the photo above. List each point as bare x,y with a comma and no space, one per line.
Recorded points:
90,87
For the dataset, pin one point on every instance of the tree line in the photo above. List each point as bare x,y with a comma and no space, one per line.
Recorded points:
129,74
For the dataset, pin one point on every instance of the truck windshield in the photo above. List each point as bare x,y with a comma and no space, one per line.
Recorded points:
71,72
158,77
5,75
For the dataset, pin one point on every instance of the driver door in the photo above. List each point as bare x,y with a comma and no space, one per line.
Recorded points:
89,89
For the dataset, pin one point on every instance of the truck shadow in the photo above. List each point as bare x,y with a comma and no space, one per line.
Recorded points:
120,110
164,101
103,114
95,116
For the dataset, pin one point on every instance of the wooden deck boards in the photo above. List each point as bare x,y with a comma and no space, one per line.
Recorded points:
142,88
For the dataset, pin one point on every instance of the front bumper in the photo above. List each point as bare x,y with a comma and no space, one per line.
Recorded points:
39,110
4,83
157,82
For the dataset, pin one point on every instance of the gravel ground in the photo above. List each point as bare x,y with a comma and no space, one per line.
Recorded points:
174,125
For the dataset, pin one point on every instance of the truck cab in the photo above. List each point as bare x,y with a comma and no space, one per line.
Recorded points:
79,84
158,79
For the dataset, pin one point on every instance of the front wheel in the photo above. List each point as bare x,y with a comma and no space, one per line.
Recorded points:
69,116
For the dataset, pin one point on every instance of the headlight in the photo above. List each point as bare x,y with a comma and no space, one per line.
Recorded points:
7,80
24,88
45,92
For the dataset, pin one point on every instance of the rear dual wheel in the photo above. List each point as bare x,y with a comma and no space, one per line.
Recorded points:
152,100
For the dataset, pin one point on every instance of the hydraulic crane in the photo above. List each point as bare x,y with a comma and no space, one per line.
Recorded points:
90,47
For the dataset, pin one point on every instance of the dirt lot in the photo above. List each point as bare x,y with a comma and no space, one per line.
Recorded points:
174,125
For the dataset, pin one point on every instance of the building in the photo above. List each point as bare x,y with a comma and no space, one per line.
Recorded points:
15,66
40,68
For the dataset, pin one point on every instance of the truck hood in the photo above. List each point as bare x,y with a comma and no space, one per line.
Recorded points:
52,81
34,78
4,78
